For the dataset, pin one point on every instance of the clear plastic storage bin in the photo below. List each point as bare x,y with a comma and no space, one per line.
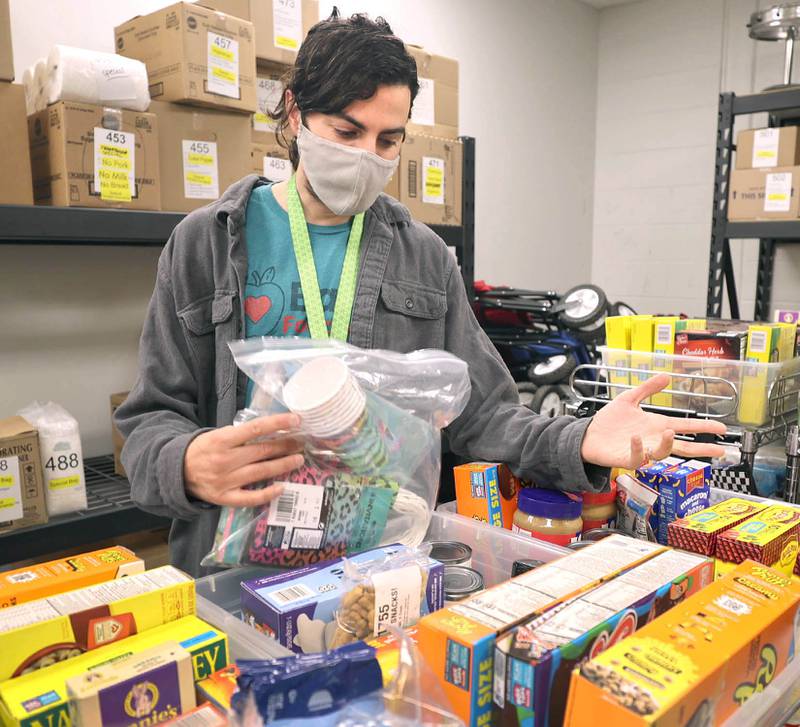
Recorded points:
735,392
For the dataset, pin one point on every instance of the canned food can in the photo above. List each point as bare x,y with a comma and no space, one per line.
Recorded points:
460,583
451,552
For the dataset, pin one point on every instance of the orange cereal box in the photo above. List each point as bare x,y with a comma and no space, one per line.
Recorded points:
699,662
486,492
67,574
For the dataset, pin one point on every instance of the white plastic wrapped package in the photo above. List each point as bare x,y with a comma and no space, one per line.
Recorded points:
371,422
62,456
93,77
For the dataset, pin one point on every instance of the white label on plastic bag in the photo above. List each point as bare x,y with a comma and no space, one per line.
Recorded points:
10,489
397,597
277,169
765,148
114,164
287,24
432,180
424,110
778,192
268,93
65,488
114,83
200,172
223,65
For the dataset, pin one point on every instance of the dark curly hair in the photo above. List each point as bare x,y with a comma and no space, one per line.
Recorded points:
343,60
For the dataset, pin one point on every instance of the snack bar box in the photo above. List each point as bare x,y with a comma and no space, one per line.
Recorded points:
534,662
699,662
458,641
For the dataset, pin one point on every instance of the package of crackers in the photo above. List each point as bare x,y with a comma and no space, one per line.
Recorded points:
698,532
769,537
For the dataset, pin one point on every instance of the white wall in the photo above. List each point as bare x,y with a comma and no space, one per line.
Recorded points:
72,315
661,66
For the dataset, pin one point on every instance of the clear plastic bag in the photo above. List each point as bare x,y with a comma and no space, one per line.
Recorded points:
371,422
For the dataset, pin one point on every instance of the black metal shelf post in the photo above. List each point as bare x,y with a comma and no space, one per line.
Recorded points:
783,108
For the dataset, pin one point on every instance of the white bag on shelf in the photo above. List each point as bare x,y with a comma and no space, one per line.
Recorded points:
62,456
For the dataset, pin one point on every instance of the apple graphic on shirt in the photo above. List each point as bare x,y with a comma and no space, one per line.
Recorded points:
264,306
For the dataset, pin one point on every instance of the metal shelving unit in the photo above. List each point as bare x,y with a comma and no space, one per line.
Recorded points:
110,514
783,107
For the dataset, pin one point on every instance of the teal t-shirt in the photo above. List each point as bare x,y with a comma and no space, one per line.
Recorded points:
273,302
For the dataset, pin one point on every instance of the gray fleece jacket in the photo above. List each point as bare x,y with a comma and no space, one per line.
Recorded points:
410,295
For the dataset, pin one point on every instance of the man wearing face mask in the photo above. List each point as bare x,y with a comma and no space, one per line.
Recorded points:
326,254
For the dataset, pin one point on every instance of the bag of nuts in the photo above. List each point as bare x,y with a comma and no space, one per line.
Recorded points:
396,591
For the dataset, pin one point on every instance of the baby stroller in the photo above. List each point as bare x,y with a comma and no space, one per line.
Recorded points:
543,336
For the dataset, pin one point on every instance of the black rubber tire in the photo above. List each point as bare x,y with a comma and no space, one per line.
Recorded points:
556,375
544,398
527,391
621,309
588,318
594,334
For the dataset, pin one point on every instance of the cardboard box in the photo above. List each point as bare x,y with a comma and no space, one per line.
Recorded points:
33,635
269,89
696,664
22,702
16,188
457,642
6,50
46,579
430,179
117,440
270,161
486,492
194,55
202,153
64,155
435,109
280,28
767,148
698,532
534,662
150,687
301,608
218,688
22,500
682,489
205,715
764,194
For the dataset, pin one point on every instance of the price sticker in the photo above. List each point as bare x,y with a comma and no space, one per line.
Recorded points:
114,164
223,65
200,169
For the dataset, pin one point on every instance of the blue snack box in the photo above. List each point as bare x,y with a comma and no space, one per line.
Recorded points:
683,488
298,608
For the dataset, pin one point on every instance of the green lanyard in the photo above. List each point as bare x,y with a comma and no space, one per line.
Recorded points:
309,281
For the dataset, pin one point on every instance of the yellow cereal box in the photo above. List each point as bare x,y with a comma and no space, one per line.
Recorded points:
39,699
41,633
45,579
699,662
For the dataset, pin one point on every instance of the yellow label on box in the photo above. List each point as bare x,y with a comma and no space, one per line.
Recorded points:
114,164
6,481
288,43
222,53
64,483
7,502
224,75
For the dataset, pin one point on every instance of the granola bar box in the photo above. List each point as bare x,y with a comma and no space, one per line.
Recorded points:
699,662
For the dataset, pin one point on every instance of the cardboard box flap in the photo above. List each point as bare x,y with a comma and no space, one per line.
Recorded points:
433,65
14,426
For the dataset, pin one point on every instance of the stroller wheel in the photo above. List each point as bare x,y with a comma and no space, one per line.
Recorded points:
547,399
552,370
621,309
583,305
526,391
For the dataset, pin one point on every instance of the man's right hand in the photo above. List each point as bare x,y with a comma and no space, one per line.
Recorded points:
219,464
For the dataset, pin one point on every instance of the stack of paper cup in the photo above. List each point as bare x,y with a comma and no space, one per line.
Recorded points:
328,400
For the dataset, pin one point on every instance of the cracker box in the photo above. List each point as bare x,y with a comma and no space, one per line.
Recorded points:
682,489
769,537
218,688
698,532
458,641
40,699
534,662
298,608
617,356
46,579
145,689
22,501
486,492
699,662
40,633
664,334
